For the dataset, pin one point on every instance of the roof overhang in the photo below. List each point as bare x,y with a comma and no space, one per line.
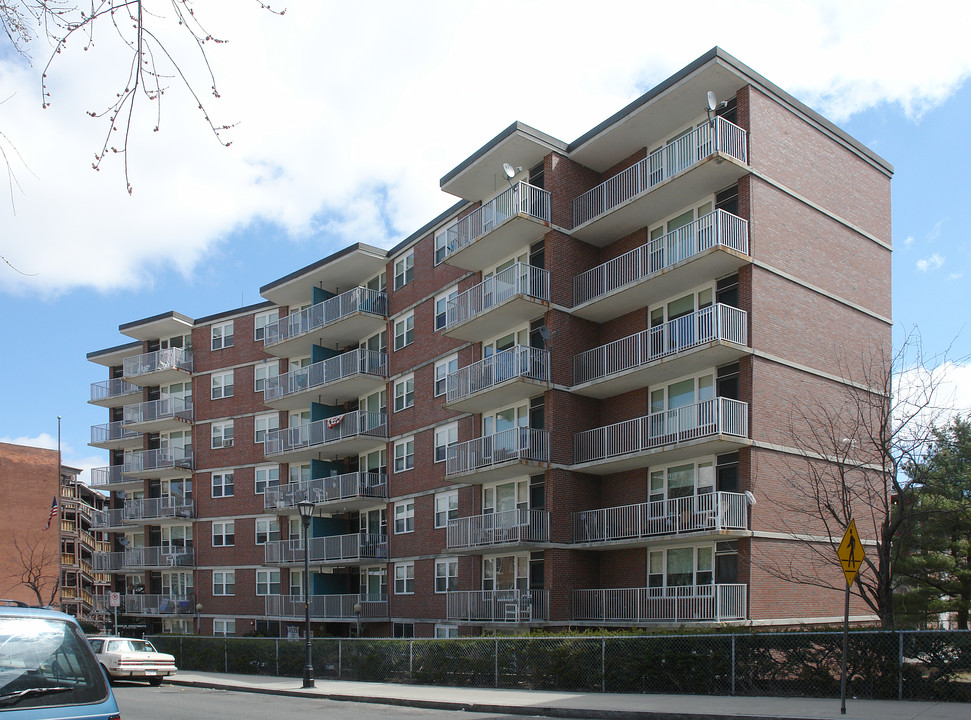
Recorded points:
110,357
336,273
158,326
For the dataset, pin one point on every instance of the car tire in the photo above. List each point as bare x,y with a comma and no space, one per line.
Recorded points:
155,681
111,680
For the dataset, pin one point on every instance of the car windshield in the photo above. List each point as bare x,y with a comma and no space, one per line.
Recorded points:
46,662
120,646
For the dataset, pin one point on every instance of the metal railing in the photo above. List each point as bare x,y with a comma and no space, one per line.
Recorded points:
328,607
499,528
666,162
521,199
109,432
359,299
690,603
171,604
327,489
519,361
142,557
157,361
518,443
110,475
716,322
349,364
169,408
111,518
356,546
717,416
321,432
157,508
707,511
158,459
719,228
499,606
518,279
116,387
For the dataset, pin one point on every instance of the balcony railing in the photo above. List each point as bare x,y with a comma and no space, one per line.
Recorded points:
518,361
137,604
111,432
143,557
330,607
712,511
356,362
158,361
359,299
156,509
109,476
171,408
108,389
717,322
521,199
328,489
499,606
662,164
518,279
500,528
328,430
719,228
717,416
691,603
357,546
158,459
518,443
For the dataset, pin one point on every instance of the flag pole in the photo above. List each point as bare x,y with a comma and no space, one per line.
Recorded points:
57,495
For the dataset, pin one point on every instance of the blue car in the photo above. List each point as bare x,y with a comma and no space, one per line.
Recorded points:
47,668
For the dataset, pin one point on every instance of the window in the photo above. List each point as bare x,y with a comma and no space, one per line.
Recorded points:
446,575
404,393
404,455
267,582
261,321
681,567
262,424
404,270
443,369
441,307
223,533
299,473
445,437
446,631
221,384
223,582
404,517
442,242
403,630
446,507
404,578
404,331
264,371
222,484
222,335
267,530
222,434
267,476
223,627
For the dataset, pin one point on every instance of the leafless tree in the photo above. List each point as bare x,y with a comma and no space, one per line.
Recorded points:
39,567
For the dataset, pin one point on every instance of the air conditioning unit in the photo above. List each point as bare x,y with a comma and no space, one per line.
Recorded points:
227,443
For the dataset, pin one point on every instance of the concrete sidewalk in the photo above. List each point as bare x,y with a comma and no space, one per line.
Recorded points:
580,705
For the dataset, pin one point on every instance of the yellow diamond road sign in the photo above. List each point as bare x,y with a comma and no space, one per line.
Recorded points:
850,552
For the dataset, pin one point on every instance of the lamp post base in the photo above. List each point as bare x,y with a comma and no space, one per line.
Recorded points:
308,677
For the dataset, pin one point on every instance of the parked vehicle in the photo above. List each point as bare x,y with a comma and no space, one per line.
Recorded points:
128,658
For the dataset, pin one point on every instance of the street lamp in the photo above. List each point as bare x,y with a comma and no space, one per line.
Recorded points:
306,509
358,608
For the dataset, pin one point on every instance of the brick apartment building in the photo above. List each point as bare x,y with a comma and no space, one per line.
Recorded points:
566,401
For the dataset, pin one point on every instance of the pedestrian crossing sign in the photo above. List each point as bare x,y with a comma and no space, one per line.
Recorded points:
850,552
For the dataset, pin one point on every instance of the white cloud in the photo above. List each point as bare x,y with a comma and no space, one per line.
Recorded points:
955,276
908,241
68,455
933,262
44,440
350,113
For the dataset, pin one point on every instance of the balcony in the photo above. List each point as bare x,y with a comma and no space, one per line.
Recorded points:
509,222
154,416
142,558
506,454
706,159
499,606
351,491
516,295
353,549
111,519
722,513
340,435
517,373
512,530
712,426
328,607
169,462
713,336
161,367
112,393
340,320
111,478
691,603
114,436
136,604
712,246
347,376
157,510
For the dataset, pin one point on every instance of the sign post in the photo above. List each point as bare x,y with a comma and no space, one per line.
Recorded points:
850,553
114,600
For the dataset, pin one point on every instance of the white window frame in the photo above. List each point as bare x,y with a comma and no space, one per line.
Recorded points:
441,314
221,336
260,485
443,368
404,517
446,507
221,385
225,530
271,422
404,392
265,527
261,320
404,578
298,472
406,456
223,627
404,270
441,243
265,582
450,580
404,330
445,437
226,484
263,372
221,434
227,580
443,631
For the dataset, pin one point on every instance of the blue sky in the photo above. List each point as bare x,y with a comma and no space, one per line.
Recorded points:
348,120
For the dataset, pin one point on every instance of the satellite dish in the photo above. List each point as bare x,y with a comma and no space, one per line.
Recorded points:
544,332
509,170
750,498
121,494
123,541
712,101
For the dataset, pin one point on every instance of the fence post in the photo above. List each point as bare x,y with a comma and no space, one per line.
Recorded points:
411,659
900,664
733,665
226,654
276,647
496,663
603,664
340,658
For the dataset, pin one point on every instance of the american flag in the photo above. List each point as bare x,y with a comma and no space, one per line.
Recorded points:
53,513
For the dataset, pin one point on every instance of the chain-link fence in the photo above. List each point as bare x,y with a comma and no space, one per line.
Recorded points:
906,664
